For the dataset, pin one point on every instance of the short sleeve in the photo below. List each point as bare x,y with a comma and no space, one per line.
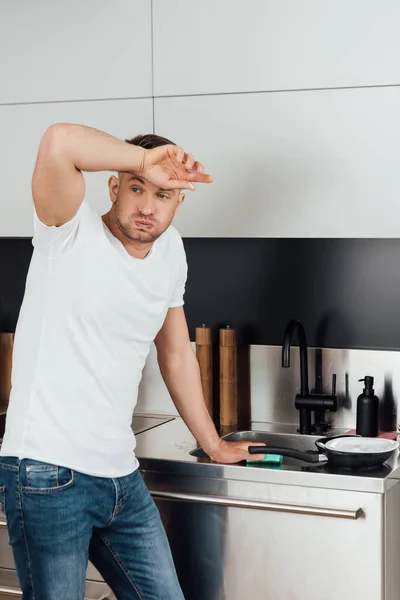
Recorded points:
53,241
179,290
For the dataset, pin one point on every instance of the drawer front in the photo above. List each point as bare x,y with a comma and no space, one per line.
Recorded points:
6,556
7,559
9,588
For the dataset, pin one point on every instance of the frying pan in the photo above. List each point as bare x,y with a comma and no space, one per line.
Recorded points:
340,451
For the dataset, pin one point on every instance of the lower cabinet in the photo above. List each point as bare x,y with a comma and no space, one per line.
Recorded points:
96,589
237,540
233,540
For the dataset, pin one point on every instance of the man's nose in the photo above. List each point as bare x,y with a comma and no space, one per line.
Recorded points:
147,204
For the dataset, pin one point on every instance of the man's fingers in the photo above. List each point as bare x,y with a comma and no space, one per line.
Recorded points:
179,153
255,456
179,184
199,177
198,167
189,162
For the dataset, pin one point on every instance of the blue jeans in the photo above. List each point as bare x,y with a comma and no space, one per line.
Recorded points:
58,519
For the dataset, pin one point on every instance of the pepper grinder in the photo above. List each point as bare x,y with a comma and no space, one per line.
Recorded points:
228,376
204,354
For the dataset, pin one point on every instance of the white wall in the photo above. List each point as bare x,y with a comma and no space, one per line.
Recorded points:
293,106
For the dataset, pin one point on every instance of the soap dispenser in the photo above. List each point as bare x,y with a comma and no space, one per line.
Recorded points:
368,410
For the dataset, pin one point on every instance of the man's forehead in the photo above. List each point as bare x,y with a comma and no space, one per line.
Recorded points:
132,177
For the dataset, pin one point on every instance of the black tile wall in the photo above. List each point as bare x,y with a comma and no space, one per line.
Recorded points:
15,256
345,291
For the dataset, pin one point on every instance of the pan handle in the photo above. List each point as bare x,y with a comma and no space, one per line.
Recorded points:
312,456
321,446
321,442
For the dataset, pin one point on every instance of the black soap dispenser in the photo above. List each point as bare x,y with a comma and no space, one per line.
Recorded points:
367,410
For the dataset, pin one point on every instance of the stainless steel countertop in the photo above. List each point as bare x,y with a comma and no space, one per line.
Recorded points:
166,449
143,422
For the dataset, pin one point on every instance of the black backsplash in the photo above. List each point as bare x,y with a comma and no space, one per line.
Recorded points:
346,292
15,256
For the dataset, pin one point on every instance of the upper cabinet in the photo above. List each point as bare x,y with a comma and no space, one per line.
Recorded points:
299,164
75,50
22,127
220,46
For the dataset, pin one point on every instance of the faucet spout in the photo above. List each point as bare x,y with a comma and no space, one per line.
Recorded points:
306,402
301,335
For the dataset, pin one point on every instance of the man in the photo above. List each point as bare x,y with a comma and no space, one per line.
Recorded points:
99,291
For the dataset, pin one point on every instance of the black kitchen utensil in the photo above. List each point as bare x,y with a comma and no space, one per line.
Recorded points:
336,458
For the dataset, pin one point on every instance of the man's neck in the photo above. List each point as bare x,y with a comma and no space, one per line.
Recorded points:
136,249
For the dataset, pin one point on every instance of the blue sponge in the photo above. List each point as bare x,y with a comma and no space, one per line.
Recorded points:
271,459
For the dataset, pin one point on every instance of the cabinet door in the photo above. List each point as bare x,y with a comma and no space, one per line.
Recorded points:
22,126
275,172
56,51
254,45
296,544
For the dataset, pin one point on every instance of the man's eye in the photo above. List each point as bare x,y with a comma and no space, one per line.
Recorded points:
136,190
163,196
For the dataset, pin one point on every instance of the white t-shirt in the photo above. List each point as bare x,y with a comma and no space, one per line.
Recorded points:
89,315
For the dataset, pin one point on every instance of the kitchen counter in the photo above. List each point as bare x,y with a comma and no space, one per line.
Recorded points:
166,450
238,530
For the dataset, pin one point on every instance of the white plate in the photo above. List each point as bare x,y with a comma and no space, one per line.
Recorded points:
362,445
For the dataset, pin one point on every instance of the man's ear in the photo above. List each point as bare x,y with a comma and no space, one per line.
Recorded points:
113,187
181,200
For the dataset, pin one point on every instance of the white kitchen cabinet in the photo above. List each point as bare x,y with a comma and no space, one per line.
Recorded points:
299,164
57,51
22,126
257,45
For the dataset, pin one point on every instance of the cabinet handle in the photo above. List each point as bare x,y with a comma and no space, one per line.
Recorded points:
12,592
317,511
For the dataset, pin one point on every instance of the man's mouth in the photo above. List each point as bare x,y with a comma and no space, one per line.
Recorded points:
140,224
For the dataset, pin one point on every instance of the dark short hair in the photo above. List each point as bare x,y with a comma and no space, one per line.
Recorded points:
149,141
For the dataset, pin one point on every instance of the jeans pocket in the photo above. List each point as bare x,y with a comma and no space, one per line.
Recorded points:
41,478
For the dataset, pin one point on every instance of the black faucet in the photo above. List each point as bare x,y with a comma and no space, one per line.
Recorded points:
306,402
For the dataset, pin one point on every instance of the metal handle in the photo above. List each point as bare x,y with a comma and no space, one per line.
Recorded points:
12,592
311,456
334,384
317,511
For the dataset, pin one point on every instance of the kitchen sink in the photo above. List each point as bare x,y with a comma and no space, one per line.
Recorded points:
295,441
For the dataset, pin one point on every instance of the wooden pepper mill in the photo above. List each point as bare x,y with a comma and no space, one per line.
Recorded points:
204,353
6,349
228,376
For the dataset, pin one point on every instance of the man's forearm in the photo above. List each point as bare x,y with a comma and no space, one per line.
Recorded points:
182,377
89,149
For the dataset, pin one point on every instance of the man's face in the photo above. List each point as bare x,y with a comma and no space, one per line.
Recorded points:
142,211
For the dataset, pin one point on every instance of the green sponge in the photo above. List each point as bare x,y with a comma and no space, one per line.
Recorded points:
272,459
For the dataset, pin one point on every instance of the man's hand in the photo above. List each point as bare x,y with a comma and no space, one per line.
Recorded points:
180,370
234,452
169,167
